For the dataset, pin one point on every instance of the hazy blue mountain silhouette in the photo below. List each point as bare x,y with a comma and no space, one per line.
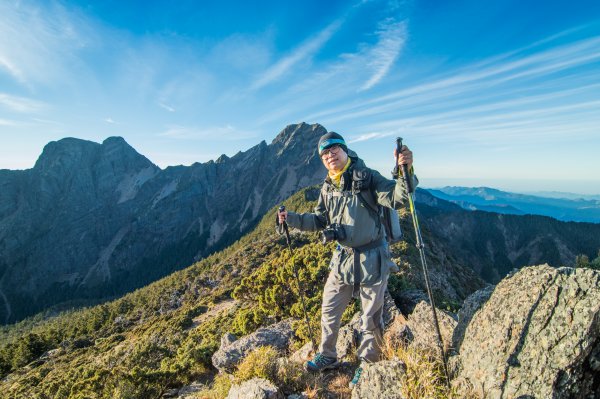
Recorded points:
492,200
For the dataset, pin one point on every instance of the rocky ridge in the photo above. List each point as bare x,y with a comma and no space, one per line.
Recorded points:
109,220
535,335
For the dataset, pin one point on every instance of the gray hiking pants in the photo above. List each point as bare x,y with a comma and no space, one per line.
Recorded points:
336,297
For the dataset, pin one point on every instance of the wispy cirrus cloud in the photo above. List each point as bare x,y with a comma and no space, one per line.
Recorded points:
537,80
303,52
20,104
38,44
216,133
368,136
167,107
8,122
347,75
391,38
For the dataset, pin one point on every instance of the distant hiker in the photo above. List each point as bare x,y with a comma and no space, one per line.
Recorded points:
361,263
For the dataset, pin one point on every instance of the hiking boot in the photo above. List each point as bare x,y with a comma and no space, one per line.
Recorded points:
320,363
356,378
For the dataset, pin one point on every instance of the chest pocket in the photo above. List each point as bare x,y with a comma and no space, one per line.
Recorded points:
336,204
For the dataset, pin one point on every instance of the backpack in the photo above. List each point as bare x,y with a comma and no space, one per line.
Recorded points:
361,185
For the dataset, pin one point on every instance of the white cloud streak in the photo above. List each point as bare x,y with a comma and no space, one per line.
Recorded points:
38,43
168,108
549,94
215,133
8,122
474,78
305,51
20,104
392,36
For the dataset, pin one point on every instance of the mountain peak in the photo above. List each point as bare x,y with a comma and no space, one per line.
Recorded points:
115,141
65,152
299,135
299,129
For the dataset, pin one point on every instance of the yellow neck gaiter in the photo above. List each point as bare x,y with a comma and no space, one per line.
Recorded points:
337,176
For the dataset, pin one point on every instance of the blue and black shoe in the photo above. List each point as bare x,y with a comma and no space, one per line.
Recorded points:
320,363
356,378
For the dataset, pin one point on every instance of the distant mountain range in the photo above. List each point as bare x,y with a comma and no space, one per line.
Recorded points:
493,244
561,206
92,221
563,195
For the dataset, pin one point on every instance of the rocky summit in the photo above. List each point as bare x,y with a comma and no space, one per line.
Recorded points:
91,221
534,335
538,336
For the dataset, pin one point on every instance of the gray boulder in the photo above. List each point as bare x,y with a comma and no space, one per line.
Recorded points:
256,388
471,305
303,354
409,299
349,335
189,391
421,325
537,336
381,380
390,310
227,339
398,333
231,353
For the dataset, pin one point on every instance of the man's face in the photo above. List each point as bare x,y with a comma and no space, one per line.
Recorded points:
334,158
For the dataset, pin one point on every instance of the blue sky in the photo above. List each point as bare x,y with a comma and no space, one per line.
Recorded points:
498,93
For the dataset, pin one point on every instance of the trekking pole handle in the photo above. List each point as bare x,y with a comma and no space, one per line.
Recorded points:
405,173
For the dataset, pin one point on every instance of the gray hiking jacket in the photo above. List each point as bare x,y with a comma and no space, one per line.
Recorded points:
364,245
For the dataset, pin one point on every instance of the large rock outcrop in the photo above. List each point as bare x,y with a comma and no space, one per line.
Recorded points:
381,380
93,220
232,351
537,336
422,326
470,306
256,388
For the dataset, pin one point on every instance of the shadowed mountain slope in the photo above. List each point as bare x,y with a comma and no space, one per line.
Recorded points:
92,221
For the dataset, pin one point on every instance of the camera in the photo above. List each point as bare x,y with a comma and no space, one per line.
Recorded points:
334,231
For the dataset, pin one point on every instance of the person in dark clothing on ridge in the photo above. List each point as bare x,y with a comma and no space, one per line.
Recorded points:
361,263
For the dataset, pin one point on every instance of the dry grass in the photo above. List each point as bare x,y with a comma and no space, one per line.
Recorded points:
339,386
258,363
424,369
218,390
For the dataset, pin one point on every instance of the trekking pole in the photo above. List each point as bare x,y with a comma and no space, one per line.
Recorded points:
289,242
411,201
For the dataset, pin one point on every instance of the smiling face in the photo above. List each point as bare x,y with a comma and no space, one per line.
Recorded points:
334,158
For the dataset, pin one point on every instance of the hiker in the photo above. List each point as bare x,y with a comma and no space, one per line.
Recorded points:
361,263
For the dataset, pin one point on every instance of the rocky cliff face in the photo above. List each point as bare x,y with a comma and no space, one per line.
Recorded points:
94,220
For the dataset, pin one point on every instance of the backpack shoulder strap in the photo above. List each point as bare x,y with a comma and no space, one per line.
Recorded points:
362,185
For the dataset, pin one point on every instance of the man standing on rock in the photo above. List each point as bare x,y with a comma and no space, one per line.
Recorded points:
361,263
